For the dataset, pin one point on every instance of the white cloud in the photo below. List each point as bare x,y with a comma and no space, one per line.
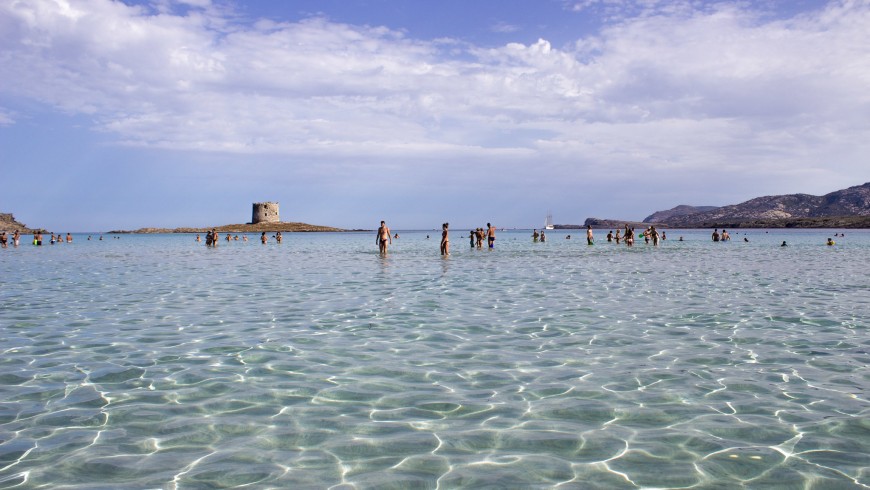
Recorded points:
504,27
6,117
669,87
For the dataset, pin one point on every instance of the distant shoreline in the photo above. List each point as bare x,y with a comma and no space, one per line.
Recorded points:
847,222
283,227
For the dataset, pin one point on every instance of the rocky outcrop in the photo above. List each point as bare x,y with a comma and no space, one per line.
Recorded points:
681,210
10,225
240,228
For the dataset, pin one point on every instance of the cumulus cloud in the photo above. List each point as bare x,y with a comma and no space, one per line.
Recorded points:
663,86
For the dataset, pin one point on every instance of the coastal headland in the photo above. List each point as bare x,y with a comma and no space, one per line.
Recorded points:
9,224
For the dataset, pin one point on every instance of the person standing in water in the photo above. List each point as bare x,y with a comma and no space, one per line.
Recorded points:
490,235
383,237
590,240
445,240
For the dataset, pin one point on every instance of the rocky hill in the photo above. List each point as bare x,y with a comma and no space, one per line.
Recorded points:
681,210
10,225
851,206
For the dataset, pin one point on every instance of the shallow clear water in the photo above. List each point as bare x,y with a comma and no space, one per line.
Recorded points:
154,362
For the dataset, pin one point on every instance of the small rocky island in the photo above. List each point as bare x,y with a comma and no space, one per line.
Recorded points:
283,227
264,217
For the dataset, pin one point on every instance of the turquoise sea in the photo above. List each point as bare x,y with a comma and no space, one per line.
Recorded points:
151,361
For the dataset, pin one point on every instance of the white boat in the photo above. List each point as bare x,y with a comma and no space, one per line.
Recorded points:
548,223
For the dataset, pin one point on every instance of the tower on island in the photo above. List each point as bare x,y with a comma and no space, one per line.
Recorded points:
265,212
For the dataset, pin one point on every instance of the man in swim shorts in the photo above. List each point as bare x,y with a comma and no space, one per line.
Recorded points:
383,237
590,240
490,235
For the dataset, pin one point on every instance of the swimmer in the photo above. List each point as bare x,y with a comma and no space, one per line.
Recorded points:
16,238
543,237
617,237
590,240
830,242
745,239
535,235
198,239
263,238
490,235
471,235
3,240
278,237
69,237
716,235
383,237
655,236
784,244
610,235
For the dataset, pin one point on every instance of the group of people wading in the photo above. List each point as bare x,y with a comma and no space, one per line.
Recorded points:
650,234
384,237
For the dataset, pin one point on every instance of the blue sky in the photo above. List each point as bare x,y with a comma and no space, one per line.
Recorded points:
182,113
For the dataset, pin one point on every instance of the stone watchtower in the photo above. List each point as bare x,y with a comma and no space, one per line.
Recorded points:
265,212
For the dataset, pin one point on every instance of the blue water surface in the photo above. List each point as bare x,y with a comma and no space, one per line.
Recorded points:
152,361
